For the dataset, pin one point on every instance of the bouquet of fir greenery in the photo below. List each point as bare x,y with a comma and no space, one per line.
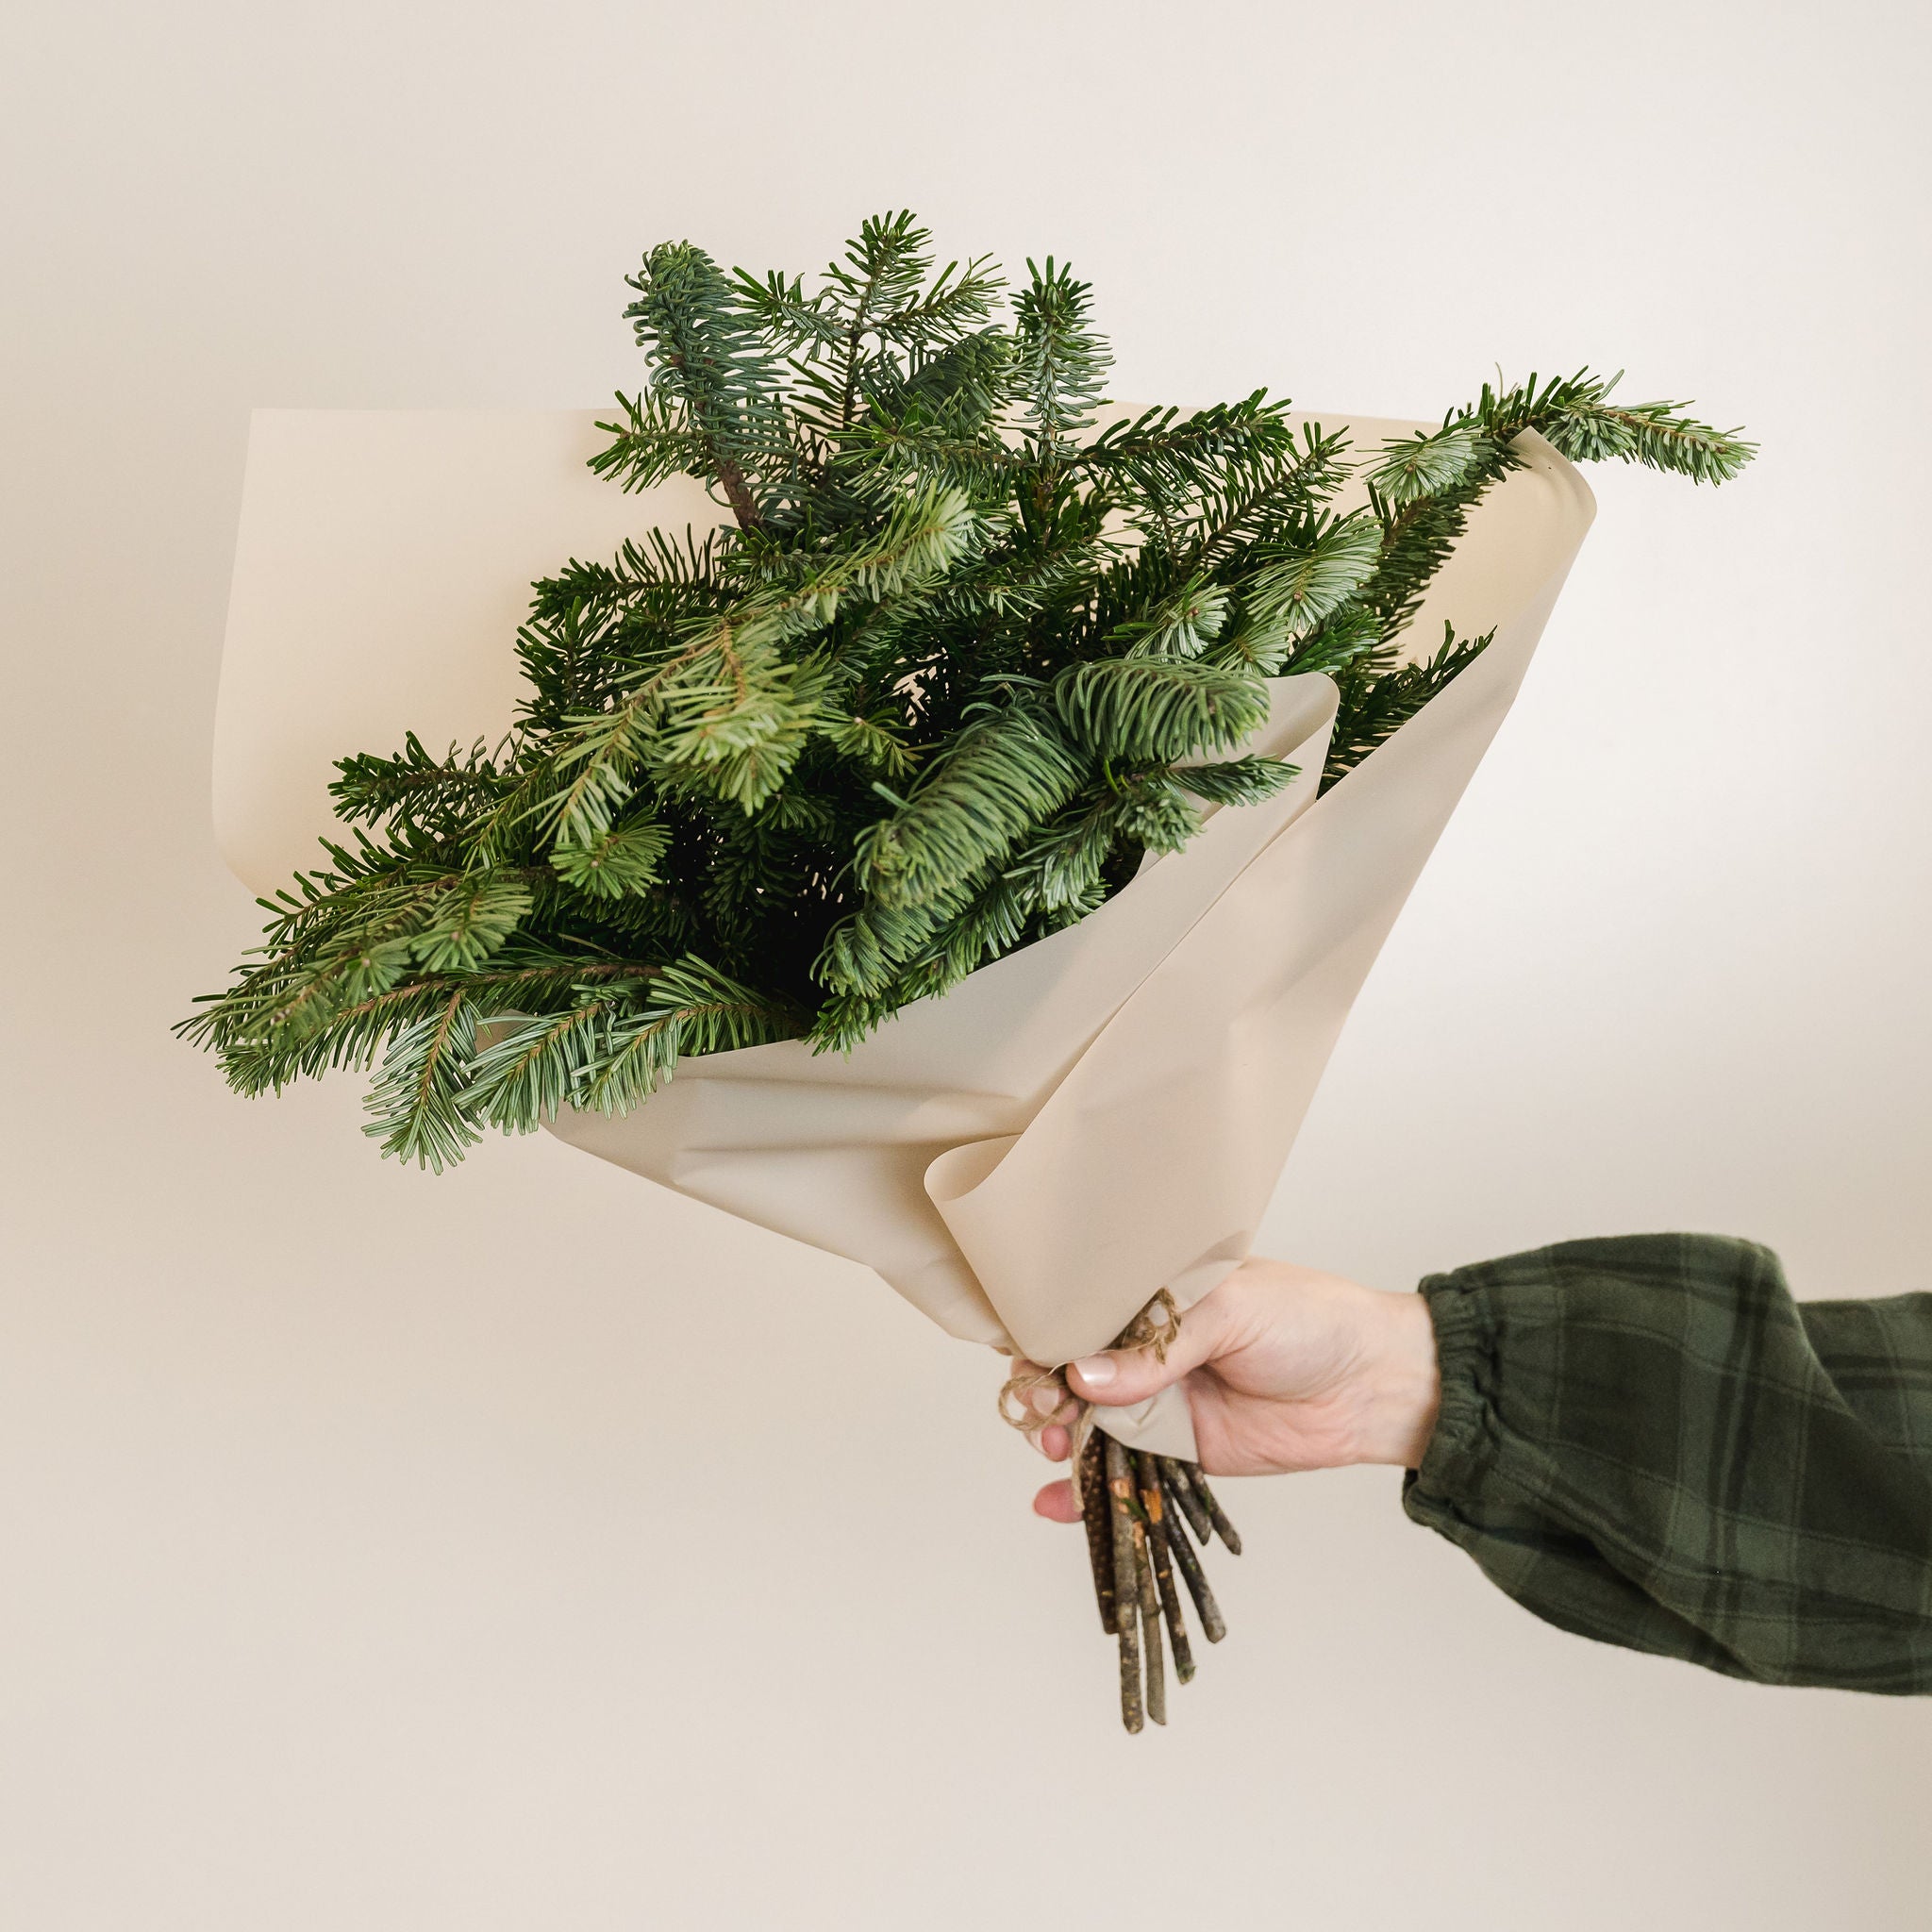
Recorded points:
952,815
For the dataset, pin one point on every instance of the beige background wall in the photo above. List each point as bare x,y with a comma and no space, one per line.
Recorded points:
379,1552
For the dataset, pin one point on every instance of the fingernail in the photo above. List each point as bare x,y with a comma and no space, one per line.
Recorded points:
1047,1401
1096,1371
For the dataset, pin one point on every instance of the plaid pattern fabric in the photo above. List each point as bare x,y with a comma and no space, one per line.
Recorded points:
1645,1441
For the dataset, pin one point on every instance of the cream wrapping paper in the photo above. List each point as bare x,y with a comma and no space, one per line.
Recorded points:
1077,1125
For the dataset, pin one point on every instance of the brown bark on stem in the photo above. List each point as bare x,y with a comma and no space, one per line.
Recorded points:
1096,1510
1216,1514
1154,1668
745,506
1126,1582
1175,1473
1147,1472
1213,1628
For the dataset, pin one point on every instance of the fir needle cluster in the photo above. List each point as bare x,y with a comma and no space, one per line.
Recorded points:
962,653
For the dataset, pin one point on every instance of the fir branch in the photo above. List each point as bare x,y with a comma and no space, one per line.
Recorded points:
656,441
1235,781
623,861
1413,467
1249,503
1180,624
1156,813
1590,431
1313,581
1157,708
716,384
1375,708
659,568
1164,452
1003,774
1352,636
420,1108
1060,363
469,922
412,788
613,1051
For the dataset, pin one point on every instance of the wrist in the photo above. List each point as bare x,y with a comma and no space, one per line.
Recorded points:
1400,1388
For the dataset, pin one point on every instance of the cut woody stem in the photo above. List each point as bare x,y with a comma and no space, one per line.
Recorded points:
1216,1514
1153,1669
1213,1628
1096,1512
1126,1582
1175,1473
1147,1472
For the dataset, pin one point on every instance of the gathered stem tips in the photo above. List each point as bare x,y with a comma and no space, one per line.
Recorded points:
1133,1505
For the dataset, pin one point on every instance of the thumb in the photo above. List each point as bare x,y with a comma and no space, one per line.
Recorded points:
1123,1376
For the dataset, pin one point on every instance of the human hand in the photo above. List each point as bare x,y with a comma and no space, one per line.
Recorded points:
1285,1368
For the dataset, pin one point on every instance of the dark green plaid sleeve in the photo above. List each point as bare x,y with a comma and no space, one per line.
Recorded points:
1646,1440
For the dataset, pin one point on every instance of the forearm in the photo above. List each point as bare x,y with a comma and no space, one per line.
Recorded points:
1647,1441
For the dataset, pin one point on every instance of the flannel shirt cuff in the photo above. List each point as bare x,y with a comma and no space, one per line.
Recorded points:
1465,1444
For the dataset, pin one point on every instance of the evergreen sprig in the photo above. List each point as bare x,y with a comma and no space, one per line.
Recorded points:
964,653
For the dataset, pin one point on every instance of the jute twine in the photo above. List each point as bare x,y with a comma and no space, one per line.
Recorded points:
1154,1327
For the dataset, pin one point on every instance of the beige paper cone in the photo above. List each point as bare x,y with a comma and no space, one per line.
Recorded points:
1028,1161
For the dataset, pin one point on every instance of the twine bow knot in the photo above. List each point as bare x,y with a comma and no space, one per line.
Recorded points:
1154,1327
